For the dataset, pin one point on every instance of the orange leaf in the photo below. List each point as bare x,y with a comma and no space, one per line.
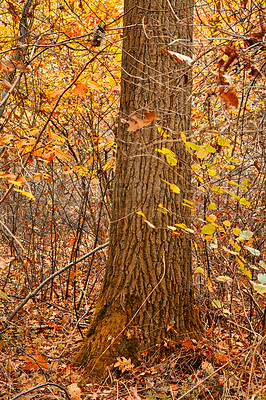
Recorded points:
187,342
35,362
140,123
81,88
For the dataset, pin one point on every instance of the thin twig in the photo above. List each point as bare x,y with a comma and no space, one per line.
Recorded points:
48,120
11,234
40,386
60,271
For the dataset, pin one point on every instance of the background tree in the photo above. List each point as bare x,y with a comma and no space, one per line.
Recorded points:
147,295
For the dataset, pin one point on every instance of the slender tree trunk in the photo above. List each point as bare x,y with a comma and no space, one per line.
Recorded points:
147,296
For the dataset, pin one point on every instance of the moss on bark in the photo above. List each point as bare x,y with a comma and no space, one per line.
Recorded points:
107,338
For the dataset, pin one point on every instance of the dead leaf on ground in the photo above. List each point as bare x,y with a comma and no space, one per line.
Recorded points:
139,123
74,391
35,362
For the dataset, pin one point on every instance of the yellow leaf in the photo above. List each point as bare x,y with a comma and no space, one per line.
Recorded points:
171,160
16,183
223,141
161,131
247,272
174,188
212,206
244,202
212,172
200,270
236,231
208,229
202,153
227,223
26,194
141,213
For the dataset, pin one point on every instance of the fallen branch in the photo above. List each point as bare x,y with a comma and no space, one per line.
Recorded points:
41,386
60,271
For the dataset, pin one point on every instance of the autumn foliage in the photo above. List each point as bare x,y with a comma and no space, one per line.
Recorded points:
60,87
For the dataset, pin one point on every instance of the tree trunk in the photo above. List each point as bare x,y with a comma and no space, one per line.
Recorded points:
147,296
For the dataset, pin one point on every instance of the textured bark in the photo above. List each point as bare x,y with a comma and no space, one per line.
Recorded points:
148,282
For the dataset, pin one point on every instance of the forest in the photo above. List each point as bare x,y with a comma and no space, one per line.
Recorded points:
132,199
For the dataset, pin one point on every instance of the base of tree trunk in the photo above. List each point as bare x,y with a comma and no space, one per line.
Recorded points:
111,336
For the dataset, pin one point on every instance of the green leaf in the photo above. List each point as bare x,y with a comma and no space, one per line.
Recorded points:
208,229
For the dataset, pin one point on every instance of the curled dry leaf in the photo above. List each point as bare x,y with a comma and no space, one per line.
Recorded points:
139,123
7,66
7,85
179,57
229,97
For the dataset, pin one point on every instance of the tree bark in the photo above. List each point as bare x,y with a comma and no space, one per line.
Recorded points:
147,295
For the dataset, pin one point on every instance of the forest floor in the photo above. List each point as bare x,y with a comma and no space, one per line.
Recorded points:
37,347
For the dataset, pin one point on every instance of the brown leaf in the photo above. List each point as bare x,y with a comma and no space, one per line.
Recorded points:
74,391
229,97
232,55
35,362
139,123
7,66
5,261
22,67
7,85
188,343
